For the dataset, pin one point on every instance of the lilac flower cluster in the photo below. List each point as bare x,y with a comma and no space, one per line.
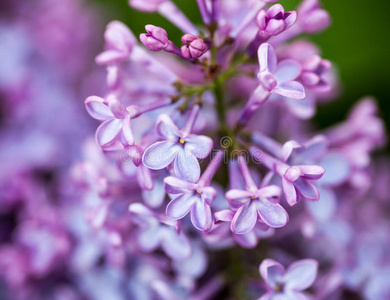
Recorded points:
204,166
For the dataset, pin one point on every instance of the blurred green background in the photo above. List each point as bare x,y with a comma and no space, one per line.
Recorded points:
357,43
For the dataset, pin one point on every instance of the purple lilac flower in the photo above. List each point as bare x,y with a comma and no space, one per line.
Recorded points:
296,179
179,146
255,204
193,47
158,231
288,284
274,78
195,197
275,20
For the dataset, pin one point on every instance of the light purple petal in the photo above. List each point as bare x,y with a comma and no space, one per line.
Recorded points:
273,214
149,238
225,215
175,245
199,145
144,178
209,194
306,189
110,56
271,192
160,154
166,128
247,240
179,207
304,109
301,274
312,172
237,198
290,193
245,219
186,166
267,57
294,295
155,197
266,296
288,149
201,216
175,185
108,131
127,134
291,18
337,169
271,271
325,208
287,70
290,89
97,109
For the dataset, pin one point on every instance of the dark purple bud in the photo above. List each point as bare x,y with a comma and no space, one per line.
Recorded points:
194,47
156,38
275,20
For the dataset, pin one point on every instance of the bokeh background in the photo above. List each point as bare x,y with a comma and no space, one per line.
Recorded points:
357,43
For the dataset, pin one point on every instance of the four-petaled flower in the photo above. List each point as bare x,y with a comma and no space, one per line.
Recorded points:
190,197
179,146
253,205
288,284
278,78
116,120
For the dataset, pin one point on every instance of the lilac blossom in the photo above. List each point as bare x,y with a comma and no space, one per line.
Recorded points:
275,78
255,204
275,20
114,224
288,284
296,179
179,146
195,197
193,47
155,232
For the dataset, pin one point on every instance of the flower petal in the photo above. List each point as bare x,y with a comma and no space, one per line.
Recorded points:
175,245
155,197
301,274
186,166
247,240
97,109
312,172
245,219
166,128
306,189
287,70
237,198
160,154
179,207
201,215
108,131
290,193
199,145
324,209
271,192
337,169
273,214
267,57
225,215
148,239
290,89
175,185
271,271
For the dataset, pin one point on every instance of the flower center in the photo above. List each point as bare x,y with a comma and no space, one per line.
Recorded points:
278,288
182,141
199,191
